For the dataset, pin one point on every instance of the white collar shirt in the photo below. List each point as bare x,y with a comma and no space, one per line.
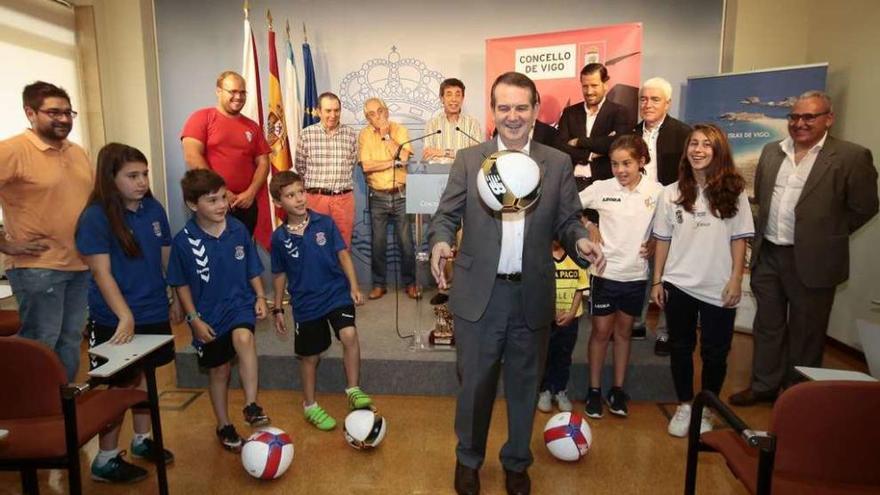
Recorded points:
591,117
787,191
513,229
650,135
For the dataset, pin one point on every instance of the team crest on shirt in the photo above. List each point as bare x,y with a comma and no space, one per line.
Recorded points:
157,229
679,217
249,135
320,238
239,253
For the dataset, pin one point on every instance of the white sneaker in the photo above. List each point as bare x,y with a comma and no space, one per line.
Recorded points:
678,425
545,401
562,402
706,421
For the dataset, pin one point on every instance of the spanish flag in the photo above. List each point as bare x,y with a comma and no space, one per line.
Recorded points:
276,127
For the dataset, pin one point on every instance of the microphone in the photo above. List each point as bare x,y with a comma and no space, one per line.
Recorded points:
457,128
401,145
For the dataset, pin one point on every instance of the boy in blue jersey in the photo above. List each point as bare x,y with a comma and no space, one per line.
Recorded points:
216,271
309,255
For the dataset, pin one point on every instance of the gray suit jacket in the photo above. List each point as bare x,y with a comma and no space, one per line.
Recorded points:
840,195
555,215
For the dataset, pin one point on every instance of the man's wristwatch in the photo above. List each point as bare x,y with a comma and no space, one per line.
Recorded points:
190,317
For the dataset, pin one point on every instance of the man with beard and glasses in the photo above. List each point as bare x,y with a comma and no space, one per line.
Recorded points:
223,140
45,181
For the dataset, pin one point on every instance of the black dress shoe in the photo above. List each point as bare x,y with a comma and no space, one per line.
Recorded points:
517,483
749,397
467,480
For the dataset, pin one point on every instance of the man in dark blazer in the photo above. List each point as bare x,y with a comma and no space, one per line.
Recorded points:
546,134
503,297
665,137
587,143
813,192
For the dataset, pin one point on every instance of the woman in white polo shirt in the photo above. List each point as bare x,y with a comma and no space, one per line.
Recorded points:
701,227
626,205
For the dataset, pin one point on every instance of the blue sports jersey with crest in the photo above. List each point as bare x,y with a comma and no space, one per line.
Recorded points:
218,271
140,279
315,281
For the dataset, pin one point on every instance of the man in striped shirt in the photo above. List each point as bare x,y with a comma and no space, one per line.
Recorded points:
325,157
457,130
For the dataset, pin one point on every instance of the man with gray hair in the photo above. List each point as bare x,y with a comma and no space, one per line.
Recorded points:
665,137
813,192
379,143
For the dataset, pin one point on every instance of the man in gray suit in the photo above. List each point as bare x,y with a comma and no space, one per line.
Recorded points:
503,298
813,192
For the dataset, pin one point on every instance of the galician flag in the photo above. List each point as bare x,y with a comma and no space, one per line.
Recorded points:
253,109
292,106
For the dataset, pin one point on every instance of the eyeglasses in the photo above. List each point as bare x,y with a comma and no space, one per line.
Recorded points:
233,92
57,114
808,118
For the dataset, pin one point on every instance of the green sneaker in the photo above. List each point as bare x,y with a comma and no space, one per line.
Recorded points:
357,399
117,470
144,450
318,416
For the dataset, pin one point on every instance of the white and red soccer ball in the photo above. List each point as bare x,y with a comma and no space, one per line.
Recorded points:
267,453
568,436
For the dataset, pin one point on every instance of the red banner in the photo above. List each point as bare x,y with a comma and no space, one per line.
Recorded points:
554,62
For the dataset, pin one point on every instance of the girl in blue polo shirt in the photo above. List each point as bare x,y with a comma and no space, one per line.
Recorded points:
626,205
123,235
702,223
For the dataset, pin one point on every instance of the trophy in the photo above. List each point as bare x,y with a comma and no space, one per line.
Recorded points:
443,333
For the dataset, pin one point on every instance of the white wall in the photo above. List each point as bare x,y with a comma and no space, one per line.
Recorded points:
37,42
198,39
129,82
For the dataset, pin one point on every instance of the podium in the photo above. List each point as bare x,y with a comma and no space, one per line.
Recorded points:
425,183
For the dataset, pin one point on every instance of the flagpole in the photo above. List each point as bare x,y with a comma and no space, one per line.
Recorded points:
273,218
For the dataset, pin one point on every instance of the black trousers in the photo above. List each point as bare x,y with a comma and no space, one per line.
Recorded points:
790,322
716,333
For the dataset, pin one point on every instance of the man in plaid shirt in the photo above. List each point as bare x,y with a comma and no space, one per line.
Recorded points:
325,157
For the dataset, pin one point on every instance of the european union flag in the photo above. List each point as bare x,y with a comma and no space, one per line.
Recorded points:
310,102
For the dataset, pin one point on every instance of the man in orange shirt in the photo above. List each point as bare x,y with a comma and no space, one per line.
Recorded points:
45,181
378,145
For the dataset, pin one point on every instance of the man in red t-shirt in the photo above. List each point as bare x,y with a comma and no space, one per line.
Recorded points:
230,144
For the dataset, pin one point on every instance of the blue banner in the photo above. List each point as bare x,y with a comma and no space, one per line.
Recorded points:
751,106
310,101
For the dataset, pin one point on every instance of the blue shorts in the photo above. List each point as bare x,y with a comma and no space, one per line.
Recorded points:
608,296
